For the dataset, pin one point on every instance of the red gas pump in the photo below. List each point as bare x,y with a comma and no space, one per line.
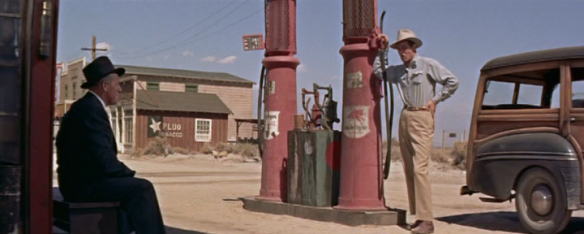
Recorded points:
28,32
361,180
280,96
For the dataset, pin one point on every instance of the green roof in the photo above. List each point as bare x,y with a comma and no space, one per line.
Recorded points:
178,73
536,56
180,101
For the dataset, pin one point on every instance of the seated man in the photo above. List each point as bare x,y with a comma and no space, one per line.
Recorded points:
89,170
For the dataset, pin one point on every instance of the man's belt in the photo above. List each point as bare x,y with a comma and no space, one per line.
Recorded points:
413,108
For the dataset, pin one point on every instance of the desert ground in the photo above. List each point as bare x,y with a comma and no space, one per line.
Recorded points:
199,194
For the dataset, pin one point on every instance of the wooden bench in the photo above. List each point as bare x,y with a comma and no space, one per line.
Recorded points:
99,217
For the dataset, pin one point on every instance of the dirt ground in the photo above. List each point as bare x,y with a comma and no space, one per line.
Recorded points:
199,194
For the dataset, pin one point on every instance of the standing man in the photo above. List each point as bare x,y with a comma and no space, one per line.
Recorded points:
89,170
416,79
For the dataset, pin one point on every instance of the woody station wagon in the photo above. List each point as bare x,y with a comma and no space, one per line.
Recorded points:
527,135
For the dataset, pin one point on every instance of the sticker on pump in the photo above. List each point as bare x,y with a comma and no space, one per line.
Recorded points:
356,121
271,119
354,80
271,87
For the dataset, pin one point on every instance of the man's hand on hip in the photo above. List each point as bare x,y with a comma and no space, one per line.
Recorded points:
432,106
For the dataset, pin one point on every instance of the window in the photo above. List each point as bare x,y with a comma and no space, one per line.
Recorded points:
152,86
128,112
527,90
203,130
577,87
66,92
129,130
74,96
192,88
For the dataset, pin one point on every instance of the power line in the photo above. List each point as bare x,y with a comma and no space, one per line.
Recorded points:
192,39
184,31
226,27
183,41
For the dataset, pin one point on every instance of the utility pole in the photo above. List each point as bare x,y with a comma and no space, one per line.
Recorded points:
93,49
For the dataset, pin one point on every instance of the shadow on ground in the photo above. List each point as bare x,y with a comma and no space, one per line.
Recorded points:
173,230
505,221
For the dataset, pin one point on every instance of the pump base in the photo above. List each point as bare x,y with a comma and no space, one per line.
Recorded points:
327,214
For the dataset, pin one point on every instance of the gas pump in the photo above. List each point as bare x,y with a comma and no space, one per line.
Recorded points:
27,75
314,154
328,107
314,115
361,179
279,96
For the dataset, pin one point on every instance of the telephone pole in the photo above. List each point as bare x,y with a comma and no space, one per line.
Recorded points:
93,49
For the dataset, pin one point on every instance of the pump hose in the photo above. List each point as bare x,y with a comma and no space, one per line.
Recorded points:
388,121
261,145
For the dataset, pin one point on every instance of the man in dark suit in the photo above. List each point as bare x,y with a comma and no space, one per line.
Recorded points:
89,170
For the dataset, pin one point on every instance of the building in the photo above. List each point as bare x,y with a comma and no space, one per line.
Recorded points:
189,108
70,82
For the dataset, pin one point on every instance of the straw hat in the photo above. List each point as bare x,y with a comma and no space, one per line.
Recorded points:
406,34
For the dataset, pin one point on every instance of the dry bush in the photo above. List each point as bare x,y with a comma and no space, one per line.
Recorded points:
227,147
441,156
206,149
137,153
158,146
246,150
180,150
459,154
395,150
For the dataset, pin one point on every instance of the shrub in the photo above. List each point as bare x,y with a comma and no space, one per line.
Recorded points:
227,147
158,146
137,153
459,154
440,156
395,150
180,150
246,150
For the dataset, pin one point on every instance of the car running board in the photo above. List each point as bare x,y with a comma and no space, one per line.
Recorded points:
495,200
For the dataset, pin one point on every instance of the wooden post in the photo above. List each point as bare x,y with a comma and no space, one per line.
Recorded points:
237,131
443,139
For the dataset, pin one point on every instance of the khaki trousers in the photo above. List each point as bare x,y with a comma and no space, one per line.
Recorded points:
416,131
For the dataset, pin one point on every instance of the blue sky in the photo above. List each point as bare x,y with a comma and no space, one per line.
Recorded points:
206,35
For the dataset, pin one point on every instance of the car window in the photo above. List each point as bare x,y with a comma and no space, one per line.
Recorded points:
577,87
499,95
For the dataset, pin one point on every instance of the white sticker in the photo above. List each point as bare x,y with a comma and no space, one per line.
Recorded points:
356,121
354,80
308,149
271,119
271,87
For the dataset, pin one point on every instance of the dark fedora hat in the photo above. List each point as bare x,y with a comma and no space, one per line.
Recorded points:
98,69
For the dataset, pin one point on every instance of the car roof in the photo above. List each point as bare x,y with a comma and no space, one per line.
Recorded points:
576,52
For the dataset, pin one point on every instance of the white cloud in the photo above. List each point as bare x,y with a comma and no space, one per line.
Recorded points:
166,57
149,58
187,53
301,68
209,59
336,77
103,45
228,59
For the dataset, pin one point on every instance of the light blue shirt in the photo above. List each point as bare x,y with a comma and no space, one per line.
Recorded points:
418,80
